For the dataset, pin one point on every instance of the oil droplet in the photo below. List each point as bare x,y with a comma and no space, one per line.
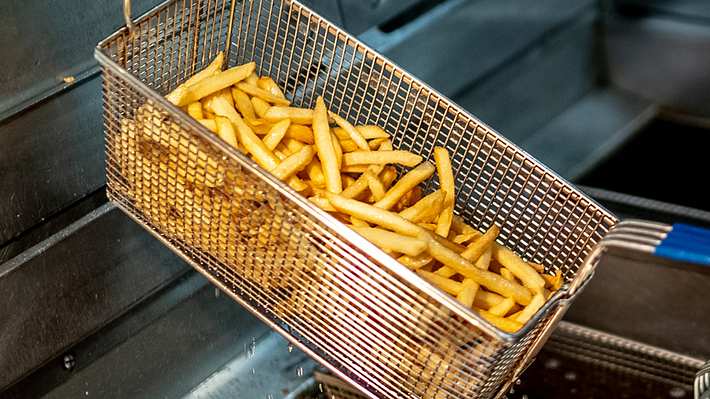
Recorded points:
570,376
299,372
677,392
320,387
552,364
290,348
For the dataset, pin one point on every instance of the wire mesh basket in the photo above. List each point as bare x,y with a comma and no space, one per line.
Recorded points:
342,300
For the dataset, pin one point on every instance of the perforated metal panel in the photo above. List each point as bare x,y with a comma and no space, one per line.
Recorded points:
342,300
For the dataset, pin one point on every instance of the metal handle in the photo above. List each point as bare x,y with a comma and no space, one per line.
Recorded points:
127,15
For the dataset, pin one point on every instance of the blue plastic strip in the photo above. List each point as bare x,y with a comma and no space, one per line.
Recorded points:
686,243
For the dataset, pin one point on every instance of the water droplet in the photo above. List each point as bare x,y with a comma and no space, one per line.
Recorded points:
570,376
290,348
252,348
552,364
299,372
677,392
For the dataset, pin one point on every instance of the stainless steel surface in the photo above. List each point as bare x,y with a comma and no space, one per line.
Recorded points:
73,283
299,275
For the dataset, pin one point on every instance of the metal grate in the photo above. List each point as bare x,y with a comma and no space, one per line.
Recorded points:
341,299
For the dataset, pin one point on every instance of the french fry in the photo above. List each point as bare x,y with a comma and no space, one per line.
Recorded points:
301,116
375,143
446,182
213,84
195,110
538,267
263,94
554,282
268,84
507,325
474,251
486,300
465,237
404,158
225,131
415,262
529,311
209,124
324,145
389,173
468,292
371,214
449,286
348,145
503,307
491,281
354,168
315,173
337,150
214,67
410,180
361,183
350,130
484,260
322,204
260,106
294,145
243,104
358,223
276,134
375,185
300,133
506,274
460,226
425,209
294,163
392,241
372,132
521,269
252,79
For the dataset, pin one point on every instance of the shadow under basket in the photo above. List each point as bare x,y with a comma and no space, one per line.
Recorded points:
342,300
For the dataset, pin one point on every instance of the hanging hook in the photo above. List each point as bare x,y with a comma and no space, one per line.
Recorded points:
127,15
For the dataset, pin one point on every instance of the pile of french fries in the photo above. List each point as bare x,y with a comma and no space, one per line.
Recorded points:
352,172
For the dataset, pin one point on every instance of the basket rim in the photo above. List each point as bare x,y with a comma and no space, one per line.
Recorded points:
562,297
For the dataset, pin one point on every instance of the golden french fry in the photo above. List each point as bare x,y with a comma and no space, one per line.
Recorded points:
300,133
425,209
252,79
315,173
465,237
430,227
521,269
392,241
375,185
468,292
301,116
446,182
263,94
354,168
486,299
449,286
260,106
381,157
377,216
350,130
214,67
338,150
268,84
276,133
225,131
389,173
529,311
491,281
294,163
503,307
538,267
209,124
195,110
280,154
415,262
485,260
361,183
294,145
358,223
448,244
460,226
405,184
375,143
475,250
213,84
254,146
372,132
507,325
348,145
243,104
506,274
554,282
322,203
324,145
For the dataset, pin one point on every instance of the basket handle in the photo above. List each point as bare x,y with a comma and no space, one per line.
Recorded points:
127,16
